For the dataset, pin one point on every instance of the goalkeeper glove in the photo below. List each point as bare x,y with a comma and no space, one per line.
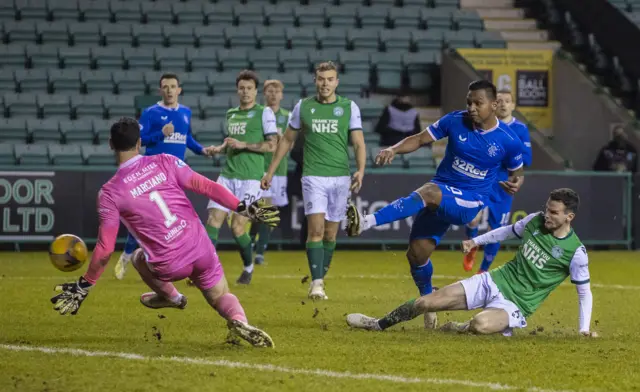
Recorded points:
71,297
260,211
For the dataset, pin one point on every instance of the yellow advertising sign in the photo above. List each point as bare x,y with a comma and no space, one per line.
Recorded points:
526,73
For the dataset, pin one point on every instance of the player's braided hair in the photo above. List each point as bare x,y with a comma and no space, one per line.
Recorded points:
568,197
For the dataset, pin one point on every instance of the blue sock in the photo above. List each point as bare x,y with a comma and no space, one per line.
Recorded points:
399,209
130,245
422,277
471,232
490,252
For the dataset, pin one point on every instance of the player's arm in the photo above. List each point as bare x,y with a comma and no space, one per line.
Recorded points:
147,135
270,134
515,166
192,144
579,272
285,144
435,131
498,235
359,147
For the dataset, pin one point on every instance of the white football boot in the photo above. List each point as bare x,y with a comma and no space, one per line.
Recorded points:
361,321
316,290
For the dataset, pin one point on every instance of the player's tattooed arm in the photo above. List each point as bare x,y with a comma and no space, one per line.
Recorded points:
269,145
405,146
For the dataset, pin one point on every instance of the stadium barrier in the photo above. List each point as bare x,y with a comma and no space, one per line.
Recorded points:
38,204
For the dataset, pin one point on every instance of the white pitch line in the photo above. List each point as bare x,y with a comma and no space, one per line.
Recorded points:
273,368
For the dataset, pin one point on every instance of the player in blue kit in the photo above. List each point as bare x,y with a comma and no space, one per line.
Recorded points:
478,146
165,128
499,207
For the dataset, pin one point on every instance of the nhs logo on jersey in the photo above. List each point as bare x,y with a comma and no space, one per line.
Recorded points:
176,138
468,169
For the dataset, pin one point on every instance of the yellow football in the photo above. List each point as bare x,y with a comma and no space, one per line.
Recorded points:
68,252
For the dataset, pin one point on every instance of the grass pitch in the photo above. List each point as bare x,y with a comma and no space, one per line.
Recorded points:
115,344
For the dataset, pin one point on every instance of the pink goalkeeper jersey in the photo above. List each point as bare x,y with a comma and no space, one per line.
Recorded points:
146,194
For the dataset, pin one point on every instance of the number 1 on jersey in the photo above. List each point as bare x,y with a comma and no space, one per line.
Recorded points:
169,218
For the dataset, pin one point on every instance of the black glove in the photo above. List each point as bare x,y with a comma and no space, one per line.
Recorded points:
260,211
71,297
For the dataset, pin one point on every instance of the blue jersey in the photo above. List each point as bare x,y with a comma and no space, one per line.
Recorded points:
474,158
157,116
522,131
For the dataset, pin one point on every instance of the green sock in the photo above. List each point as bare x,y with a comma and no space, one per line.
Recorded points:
213,234
244,242
329,247
264,233
315,257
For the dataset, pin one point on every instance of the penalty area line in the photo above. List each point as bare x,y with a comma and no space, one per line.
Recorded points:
270,368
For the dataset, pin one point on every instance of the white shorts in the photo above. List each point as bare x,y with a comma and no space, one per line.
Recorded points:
278,191
326,195
247,190
482,292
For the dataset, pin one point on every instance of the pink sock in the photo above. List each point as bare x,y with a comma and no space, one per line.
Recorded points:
229,308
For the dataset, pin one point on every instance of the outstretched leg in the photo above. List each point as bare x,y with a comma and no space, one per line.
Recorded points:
164,295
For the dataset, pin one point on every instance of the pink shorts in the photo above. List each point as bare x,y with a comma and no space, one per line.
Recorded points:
205,271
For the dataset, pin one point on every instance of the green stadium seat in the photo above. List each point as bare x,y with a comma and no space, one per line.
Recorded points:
224,83
7,11
342,16
24,31
202,59
125,11
332,38
65,80
446,4
84,106
77,131
271,37
21,105
98,81
54,106
31,80
280,14
373,152
210,36
98,155
294,60
405,17
12,56
101,130
310,15
380,3
130,82
119,106
489,39
265,60
240,37
85,33
233,59
421,158
43,131
52,32
354,61
31,9
414,3
139,58
214,106
43,56
396,40
351,2
437,18
171,59
419,66
191,83
32,154
188,13
372,17
352,83
196,161
7,155
370,108
363,39
94,10
219,14
459,39
147,35
318,56
291,80
8,82
180,35
66,154
388,69
13,130
370,138
427,40
468,20
191,100
157,12
301,38
116,34
63,10
249,14
75,57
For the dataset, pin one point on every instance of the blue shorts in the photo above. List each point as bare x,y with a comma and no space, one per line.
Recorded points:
500,212
458,207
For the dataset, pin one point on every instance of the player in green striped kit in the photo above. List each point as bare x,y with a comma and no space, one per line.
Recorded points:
251,130
277,194
550,252
328,122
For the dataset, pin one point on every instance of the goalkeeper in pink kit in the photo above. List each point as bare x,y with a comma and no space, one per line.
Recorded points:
147,195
